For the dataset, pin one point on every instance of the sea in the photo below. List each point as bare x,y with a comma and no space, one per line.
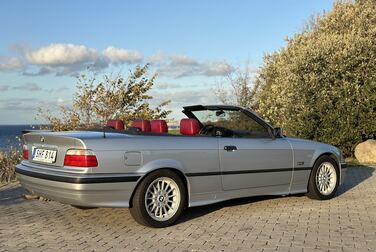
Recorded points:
10,135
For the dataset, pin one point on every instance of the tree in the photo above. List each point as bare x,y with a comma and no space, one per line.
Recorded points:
98,100
322,84
237,88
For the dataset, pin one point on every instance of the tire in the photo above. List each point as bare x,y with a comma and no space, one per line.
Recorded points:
159,200
324,179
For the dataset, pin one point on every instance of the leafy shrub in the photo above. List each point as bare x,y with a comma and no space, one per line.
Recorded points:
322,84
110,97
8,161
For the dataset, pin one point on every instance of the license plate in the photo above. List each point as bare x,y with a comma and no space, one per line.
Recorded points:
44,155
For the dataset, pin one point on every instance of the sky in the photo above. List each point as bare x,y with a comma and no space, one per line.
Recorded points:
192,45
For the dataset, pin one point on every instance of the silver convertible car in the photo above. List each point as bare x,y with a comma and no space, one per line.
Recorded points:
222,152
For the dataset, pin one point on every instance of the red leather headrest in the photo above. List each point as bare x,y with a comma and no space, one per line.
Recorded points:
189,127
159,126
143,125
115,124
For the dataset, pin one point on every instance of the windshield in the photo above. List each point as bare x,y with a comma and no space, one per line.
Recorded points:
233,120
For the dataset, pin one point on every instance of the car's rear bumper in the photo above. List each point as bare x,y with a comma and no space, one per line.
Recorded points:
91,190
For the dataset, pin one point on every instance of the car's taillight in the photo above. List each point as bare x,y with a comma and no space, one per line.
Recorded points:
80,158
25,152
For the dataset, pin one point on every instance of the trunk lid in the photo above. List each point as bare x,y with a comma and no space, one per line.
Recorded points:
49,148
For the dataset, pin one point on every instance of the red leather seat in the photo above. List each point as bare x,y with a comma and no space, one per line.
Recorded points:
143,125
115,124
189,127
159,126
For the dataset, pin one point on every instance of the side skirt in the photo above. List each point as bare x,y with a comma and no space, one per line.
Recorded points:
200,199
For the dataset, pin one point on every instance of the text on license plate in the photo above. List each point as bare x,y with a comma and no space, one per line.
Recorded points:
44,155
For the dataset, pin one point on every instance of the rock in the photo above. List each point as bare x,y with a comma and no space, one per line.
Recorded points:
30,196
35,197
365,152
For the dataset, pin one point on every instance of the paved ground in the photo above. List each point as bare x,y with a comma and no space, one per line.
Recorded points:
294,223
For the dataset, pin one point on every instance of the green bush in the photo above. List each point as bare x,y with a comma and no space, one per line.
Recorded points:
8,161
322,84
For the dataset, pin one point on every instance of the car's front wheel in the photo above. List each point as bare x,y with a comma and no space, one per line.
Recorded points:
159,200
324,179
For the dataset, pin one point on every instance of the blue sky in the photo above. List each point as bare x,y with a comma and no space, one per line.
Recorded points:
192,44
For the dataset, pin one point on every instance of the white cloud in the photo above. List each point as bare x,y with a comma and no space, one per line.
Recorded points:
183,97
120,55
4,87
10,64
25,87
167,86
70,59
61,54
57,90
182,66
41,71
156,57
29,104
204,96
216,68
182,60
25,104
28,87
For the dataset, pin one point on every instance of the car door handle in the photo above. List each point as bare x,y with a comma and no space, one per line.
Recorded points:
230,148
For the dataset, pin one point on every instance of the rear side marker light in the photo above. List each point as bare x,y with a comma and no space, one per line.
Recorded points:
25,152
80,158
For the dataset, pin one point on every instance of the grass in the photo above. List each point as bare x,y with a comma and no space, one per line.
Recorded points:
351,161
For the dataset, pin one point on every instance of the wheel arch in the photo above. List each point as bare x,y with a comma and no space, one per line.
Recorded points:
328,154
173,169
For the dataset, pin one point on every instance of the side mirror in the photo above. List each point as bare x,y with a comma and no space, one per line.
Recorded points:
271,132
220,113
278,132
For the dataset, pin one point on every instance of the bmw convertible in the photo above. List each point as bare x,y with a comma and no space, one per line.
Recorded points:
221,152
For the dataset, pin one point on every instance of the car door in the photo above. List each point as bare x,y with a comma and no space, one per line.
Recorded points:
255,162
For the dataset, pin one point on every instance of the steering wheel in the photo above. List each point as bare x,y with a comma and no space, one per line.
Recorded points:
209,128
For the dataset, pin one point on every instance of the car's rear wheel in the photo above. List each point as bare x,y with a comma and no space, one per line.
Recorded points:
159,200
324,179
